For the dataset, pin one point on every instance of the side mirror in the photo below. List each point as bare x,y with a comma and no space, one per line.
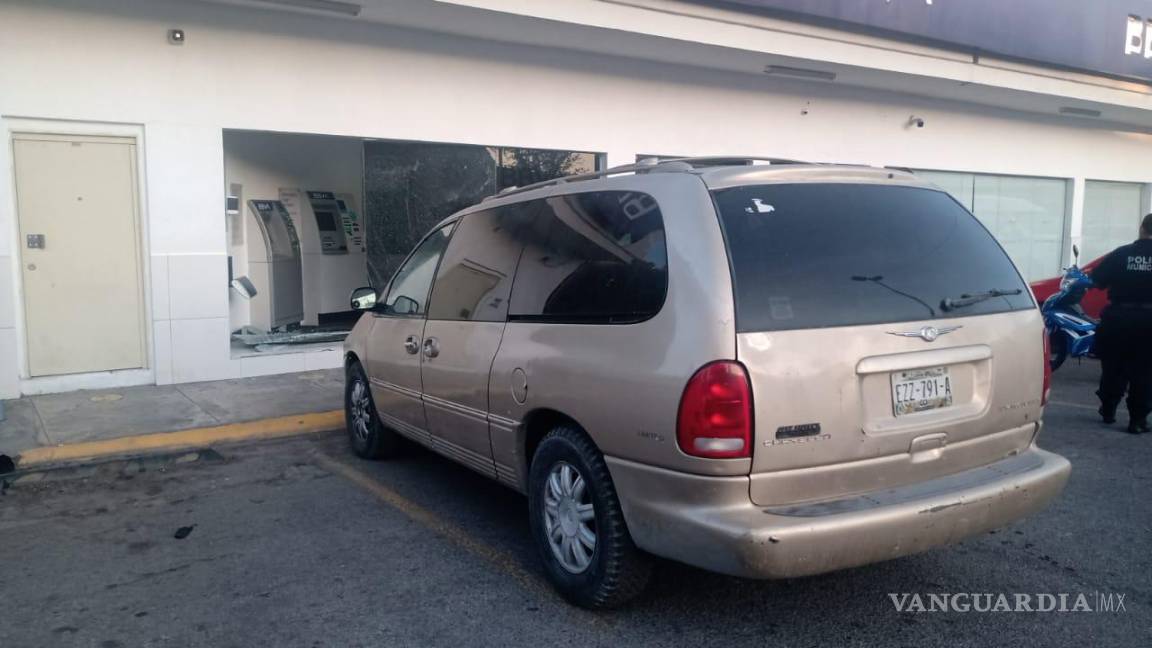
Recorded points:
363,298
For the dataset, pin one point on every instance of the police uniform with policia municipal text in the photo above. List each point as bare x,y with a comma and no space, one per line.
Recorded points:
1124,337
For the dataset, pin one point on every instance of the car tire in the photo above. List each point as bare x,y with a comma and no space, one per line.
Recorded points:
367,436
611,572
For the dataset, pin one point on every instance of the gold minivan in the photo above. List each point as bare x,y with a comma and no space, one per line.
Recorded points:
766,370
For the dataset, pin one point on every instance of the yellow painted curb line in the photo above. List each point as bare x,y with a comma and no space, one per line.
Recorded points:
269,428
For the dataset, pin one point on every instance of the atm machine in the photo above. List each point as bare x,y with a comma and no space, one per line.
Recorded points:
329,225
333,255
275,268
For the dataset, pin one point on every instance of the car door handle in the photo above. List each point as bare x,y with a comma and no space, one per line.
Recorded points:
411,344
431,347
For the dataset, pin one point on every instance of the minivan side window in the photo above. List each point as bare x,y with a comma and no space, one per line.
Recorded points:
475,278
408,292
592,258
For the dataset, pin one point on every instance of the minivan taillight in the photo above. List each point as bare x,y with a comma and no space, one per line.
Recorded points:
1047,368
715,420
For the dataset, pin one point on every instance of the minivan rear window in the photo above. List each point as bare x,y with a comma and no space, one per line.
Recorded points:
821,255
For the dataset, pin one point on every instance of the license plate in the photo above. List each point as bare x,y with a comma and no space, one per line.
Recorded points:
921,390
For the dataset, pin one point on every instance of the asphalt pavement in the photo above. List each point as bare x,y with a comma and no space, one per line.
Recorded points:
298,543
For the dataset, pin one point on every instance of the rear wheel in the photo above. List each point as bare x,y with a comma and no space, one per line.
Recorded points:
1057,349
578,526
366,435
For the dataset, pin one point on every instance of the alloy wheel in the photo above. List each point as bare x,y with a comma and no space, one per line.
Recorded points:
361,408
569,518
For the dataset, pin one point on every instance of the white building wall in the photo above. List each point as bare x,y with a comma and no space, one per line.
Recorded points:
255,70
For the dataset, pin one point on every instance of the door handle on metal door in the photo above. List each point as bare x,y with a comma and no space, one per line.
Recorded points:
411,344
431,347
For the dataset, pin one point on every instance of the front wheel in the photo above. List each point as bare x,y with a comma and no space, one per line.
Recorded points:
1057,349
366,434
578,526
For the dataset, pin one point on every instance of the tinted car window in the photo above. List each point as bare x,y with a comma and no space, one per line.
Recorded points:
475,277
408,292
818,255
592,258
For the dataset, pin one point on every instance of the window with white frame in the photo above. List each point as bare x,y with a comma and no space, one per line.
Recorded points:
1027,215
1112,213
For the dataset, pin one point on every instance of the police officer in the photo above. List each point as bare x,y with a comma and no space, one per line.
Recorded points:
1124,337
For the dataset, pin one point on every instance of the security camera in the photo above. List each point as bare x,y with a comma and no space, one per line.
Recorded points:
918,122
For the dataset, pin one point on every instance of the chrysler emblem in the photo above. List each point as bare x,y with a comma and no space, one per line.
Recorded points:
927,333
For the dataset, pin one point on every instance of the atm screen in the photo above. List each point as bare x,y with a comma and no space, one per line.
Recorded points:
326,221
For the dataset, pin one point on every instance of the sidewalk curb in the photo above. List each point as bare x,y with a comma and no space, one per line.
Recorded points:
195,438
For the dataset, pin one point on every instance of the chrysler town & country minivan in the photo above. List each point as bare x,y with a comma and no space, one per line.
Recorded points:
766,370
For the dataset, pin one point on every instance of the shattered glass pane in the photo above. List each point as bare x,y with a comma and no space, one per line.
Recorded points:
411,186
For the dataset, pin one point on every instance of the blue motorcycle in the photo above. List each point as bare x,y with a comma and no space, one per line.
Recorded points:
1071,332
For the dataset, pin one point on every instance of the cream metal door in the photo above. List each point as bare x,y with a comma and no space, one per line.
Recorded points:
78,214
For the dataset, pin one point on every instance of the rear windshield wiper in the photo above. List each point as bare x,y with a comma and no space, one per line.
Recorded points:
952,303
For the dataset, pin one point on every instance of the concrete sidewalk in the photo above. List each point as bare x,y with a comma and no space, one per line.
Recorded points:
96,415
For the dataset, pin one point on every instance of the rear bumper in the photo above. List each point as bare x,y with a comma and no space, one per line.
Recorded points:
711,523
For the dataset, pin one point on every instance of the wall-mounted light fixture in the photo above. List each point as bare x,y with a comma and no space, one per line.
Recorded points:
175,36
331,6
799,73
244,287
1079,112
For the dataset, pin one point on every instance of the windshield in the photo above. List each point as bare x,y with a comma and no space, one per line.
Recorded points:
820,255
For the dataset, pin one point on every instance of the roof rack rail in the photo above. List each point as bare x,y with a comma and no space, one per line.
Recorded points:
647,165
731,160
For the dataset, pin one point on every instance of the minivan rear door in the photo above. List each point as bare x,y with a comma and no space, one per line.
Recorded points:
887,336
466,317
